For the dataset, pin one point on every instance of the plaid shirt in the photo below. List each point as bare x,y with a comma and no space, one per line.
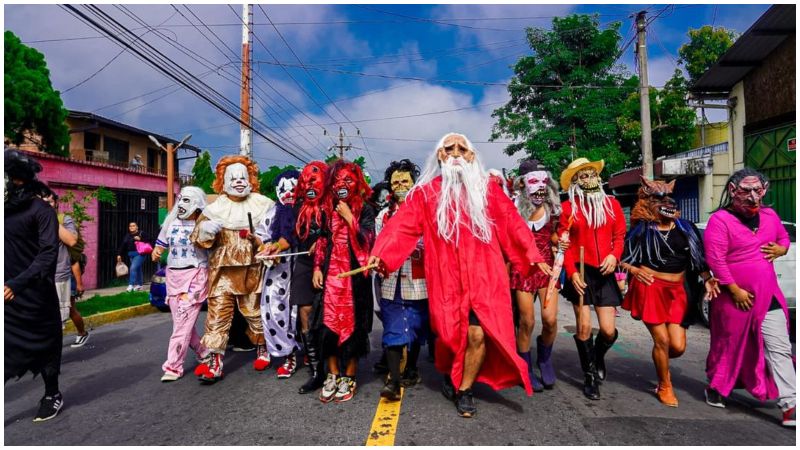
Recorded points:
411,288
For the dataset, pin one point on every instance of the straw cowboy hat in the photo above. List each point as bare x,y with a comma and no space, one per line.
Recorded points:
577,165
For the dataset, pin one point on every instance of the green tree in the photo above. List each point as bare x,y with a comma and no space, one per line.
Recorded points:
31,104
202,173
570,91
672,122
79,206
706,45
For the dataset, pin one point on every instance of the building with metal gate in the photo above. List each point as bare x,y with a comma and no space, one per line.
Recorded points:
757,79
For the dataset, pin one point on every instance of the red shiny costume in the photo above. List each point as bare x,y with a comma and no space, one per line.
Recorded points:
536,279
347,302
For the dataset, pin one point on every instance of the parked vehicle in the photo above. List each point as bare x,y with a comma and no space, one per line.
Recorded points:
785,269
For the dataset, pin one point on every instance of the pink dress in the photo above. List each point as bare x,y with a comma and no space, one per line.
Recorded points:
736,357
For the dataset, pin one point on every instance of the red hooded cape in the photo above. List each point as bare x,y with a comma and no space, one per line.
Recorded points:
468,275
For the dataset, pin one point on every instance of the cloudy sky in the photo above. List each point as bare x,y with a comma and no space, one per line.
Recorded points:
401,75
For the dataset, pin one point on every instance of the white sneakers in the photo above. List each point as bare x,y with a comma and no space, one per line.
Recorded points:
130,288
169,376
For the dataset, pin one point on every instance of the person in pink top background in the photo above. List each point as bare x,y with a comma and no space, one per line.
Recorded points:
750,345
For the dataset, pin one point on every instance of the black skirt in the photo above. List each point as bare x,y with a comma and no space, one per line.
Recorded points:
601,290
302,292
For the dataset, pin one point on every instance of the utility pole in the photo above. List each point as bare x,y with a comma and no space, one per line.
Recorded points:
246,136
644,97
341,147
170,149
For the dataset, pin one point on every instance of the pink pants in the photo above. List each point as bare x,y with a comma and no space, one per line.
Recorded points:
184,334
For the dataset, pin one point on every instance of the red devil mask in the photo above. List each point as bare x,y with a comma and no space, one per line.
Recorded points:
312,181
345,183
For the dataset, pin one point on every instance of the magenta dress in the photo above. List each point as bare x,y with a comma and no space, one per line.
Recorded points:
736,357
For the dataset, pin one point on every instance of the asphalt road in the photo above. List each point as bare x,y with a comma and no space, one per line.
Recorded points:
113,396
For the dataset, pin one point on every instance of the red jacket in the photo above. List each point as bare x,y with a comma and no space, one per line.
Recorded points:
597,243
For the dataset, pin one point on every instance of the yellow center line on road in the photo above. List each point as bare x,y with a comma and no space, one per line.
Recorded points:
384,425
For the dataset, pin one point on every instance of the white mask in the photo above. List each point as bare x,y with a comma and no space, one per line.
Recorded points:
189,201
285,191
237,180
536,186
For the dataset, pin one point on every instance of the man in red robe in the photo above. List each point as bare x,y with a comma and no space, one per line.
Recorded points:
469,229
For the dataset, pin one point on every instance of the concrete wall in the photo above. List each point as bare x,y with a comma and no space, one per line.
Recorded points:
63,174
737,123
715,133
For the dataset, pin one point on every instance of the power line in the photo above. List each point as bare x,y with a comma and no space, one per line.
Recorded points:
160,63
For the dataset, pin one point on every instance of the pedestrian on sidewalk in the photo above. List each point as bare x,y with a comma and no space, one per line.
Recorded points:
128,249
750,344
596,223
659,250
32,323
537,202
186,279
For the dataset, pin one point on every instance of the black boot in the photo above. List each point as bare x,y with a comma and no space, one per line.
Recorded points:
601,347
586,353
314,364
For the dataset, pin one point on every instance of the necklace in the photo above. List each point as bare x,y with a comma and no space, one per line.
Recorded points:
665,237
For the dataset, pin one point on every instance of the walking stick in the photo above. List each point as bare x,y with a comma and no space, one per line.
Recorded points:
357,271
580,297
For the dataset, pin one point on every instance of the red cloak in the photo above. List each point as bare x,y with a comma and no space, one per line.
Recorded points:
468,275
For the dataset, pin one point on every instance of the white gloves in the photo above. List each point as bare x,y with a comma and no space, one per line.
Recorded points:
209,230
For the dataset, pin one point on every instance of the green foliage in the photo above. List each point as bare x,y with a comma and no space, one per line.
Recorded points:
361,161
672,123
569,92
31,104
706,45
202,172
105,303
266,180
78,211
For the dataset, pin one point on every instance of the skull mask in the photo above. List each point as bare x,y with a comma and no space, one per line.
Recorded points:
536,186
237,180
401,183
189,201
588,180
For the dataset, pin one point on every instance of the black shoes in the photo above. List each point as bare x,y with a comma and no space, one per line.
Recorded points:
391,391
714,398
448,390
49,407
465,404
410,377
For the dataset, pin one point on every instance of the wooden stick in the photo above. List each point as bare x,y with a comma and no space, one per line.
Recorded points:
357,271
580,299
278,255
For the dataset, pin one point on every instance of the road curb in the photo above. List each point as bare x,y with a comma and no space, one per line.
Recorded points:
119,315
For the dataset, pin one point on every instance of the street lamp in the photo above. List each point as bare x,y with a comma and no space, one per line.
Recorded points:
170,149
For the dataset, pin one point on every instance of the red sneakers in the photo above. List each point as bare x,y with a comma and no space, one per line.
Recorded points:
262,361
789,418
288,368
213,371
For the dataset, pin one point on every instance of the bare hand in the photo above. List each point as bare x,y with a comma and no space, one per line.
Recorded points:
156,255
742,299
316,279
609,265
712,288
137,238
119,258
772,251
8,294
563,245
544,267
311,249
381,267
577,283
345,212
643,275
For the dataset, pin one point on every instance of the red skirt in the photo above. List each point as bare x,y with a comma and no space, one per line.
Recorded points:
661,302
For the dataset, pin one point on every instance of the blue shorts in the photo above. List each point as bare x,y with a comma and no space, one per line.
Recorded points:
405,322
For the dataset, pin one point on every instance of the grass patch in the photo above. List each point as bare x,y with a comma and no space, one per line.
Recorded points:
100,304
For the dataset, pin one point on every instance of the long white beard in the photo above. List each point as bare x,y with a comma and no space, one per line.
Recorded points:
594,206
463,199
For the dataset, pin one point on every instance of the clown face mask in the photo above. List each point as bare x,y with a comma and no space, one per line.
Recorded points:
344,183
285,190
401,183
312,178
188,203
588,180
536,186
747,195
237,181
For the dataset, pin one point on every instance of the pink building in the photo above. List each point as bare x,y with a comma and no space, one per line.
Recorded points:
101,151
